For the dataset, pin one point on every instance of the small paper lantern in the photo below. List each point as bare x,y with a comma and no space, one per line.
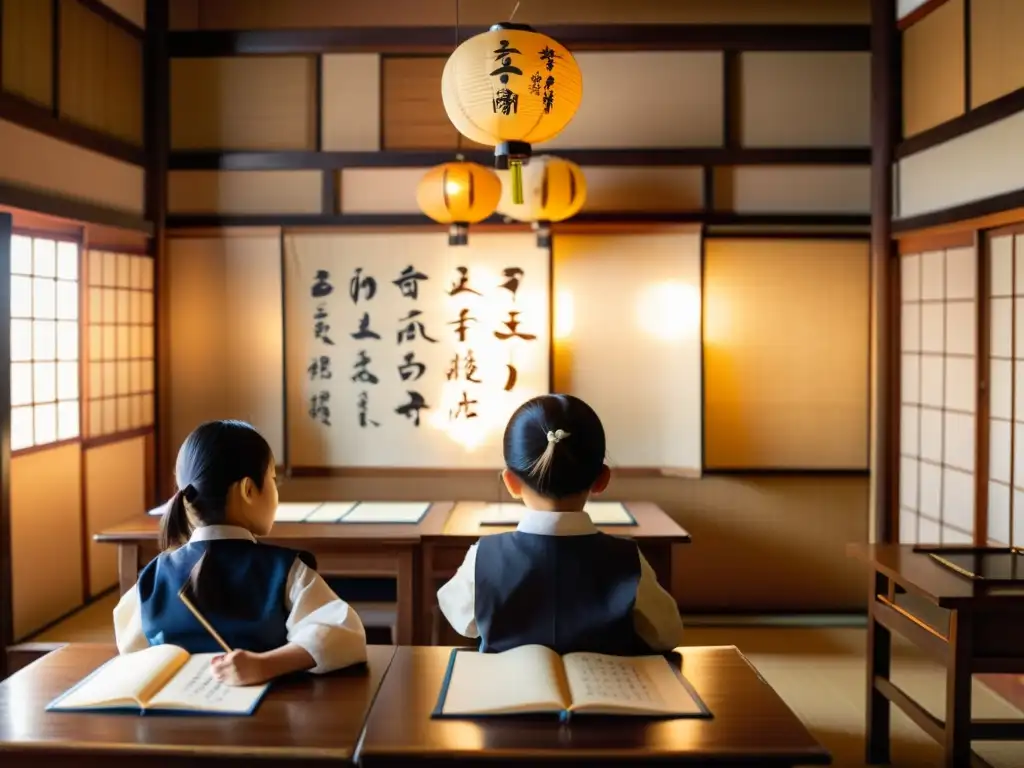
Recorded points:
458,194
553,190
508,88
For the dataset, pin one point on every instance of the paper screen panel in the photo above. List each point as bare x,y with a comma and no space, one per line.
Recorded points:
977,165
412,113
484,374
627,341
380,190
225,298
997,58
638,188
31,159
938,400
625,113
121,323
1006,392
46,536
27,49
786,354
805,189
248,102
115,490
805,99
933,68
351,102
245,192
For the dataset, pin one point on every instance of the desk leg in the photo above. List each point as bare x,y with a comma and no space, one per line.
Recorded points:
428,596
127,565
406,593
958,690
659,555
879,653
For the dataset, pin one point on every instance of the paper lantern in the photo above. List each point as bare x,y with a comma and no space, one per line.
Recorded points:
458,194
508,88
553,190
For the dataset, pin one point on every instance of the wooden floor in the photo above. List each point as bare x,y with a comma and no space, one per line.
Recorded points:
819,672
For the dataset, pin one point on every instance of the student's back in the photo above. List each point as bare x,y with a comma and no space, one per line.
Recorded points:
556,580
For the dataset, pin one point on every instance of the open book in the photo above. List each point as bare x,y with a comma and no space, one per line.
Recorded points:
533,679
161,678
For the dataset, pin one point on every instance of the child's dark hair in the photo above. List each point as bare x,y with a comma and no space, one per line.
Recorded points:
555,445
214,457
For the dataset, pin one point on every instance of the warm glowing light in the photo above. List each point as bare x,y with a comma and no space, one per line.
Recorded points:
452,187
669,311
564,315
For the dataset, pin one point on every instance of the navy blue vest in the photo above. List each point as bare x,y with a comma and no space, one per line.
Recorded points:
255,576
569,593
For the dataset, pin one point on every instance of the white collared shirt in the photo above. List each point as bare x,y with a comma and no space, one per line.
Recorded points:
655,613
318,620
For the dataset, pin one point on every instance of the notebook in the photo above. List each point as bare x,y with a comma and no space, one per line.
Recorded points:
295,512
160,679
331,512
410,512
601,512
533,679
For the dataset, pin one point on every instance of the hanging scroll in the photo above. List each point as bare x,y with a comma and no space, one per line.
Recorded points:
405,352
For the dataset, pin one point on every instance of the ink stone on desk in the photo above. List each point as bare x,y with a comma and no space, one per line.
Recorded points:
302,719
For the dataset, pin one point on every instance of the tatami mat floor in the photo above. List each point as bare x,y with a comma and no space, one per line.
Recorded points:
819,672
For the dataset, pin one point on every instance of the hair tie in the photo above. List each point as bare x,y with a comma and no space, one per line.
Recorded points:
557,435
189,493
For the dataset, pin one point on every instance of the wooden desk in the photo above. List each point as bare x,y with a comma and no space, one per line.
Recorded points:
968,628
751,725
341,550
307,719
443,551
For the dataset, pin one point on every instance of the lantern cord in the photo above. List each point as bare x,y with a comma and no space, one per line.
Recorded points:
456,23
513,14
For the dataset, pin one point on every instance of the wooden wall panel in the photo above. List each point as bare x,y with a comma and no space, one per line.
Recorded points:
133,10
31,159
224,296
380,190
785,354
637,188
244,192
805,99
259,102
974,166
793,189
115,489
997,56
626,106
46,536
249,14
933,68
27,49
351,102
412,113
100,73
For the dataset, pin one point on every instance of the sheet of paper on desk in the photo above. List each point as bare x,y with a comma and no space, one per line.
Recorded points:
601,512
408,512
295,512
331,512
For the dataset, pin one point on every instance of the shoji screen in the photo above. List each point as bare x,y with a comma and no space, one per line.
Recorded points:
939,383
1006,390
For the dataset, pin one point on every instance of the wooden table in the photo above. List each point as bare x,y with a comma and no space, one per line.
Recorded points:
308,719
751,725
968,628
341,549
443,551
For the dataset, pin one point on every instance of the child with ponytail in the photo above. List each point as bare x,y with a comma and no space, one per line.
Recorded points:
267,603
556,580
